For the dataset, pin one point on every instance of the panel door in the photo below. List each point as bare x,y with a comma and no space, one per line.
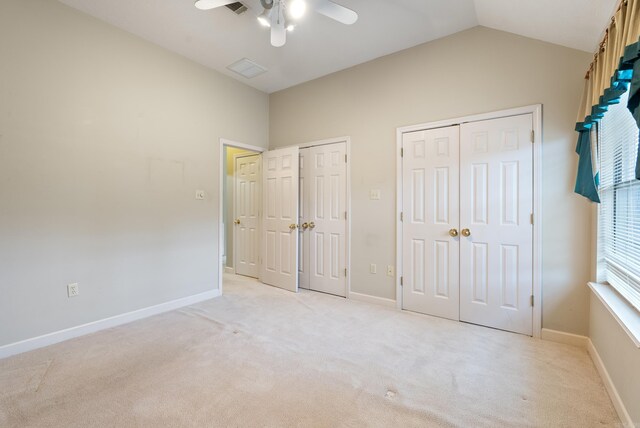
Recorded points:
430,210
496,204
303,258
327,174
247,210
279,243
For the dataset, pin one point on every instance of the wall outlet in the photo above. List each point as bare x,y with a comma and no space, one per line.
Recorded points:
73,289
374,194
199,195
373,268
389,270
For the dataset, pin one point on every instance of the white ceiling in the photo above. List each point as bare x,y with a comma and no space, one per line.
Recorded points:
320,46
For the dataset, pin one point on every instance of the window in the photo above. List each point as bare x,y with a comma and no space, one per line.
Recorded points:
619,216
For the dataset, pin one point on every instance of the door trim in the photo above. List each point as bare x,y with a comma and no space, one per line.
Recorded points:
536,112
347,141
222,143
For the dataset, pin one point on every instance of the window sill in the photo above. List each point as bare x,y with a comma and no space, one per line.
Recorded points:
622,311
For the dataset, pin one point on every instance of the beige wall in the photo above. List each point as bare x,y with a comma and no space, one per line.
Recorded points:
479,70
619,355
104,139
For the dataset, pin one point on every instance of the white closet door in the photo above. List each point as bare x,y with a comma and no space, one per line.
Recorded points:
326,174
430,210
303,266
247,209
496,197
279,241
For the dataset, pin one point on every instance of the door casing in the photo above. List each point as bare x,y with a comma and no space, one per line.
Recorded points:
222,143
536,111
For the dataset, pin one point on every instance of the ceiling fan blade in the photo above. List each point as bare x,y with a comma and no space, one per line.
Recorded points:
278,35
211,4
335,11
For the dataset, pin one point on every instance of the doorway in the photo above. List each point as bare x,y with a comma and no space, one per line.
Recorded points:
285,215
467,236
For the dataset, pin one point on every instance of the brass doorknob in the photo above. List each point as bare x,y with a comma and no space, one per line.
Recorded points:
293,226
465,232
236,221
304,225
453,233
312,225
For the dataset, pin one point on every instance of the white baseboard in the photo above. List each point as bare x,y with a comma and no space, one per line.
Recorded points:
608,384
562,337
372,299
92,327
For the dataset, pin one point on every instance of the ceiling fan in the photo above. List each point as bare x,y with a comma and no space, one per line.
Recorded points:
281,15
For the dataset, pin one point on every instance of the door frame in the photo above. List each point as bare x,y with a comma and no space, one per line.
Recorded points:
536,112
347,141
223,142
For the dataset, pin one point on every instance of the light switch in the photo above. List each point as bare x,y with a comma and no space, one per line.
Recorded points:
373,268
374,194
200,194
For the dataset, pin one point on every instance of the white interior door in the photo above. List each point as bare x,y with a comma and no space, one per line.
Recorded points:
303,258
326,177
496,205
430,210
279,243
247,210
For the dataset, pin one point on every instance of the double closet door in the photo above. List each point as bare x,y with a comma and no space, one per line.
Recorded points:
467,235
303,229
322,219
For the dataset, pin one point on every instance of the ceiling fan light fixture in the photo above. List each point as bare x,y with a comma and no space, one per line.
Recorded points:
291,27
264,19
297,9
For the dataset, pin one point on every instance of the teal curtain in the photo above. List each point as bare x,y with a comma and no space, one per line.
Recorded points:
625,78
586,184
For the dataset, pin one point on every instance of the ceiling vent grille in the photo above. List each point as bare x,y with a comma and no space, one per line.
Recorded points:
247,68
237,7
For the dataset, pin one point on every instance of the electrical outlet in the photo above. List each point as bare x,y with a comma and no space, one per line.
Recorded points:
73,289
199,195
389,270
373,268
374,195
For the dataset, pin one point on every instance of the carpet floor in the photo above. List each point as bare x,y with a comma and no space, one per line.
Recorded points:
262,357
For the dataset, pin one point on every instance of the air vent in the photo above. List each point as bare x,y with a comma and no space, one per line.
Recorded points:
237,7
247,68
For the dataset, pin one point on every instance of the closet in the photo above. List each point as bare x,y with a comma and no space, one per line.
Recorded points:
467,236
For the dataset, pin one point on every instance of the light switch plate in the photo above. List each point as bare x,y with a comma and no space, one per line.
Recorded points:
374,194
390,270
373,268
199,194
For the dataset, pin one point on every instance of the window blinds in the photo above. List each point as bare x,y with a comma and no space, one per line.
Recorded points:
619,217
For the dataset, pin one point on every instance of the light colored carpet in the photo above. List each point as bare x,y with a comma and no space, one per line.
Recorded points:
259,356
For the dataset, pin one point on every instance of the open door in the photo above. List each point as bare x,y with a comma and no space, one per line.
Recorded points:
279,243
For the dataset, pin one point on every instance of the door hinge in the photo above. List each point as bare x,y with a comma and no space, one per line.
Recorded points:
533,134
345,272
401,216
345,215
401,280
531,218
345,158
401,152
532,300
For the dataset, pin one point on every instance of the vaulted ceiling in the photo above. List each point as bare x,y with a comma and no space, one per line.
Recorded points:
320,46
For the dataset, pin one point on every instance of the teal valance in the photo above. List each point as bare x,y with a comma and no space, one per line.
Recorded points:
614,71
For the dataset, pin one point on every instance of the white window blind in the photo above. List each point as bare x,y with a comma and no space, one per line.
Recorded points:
619,218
